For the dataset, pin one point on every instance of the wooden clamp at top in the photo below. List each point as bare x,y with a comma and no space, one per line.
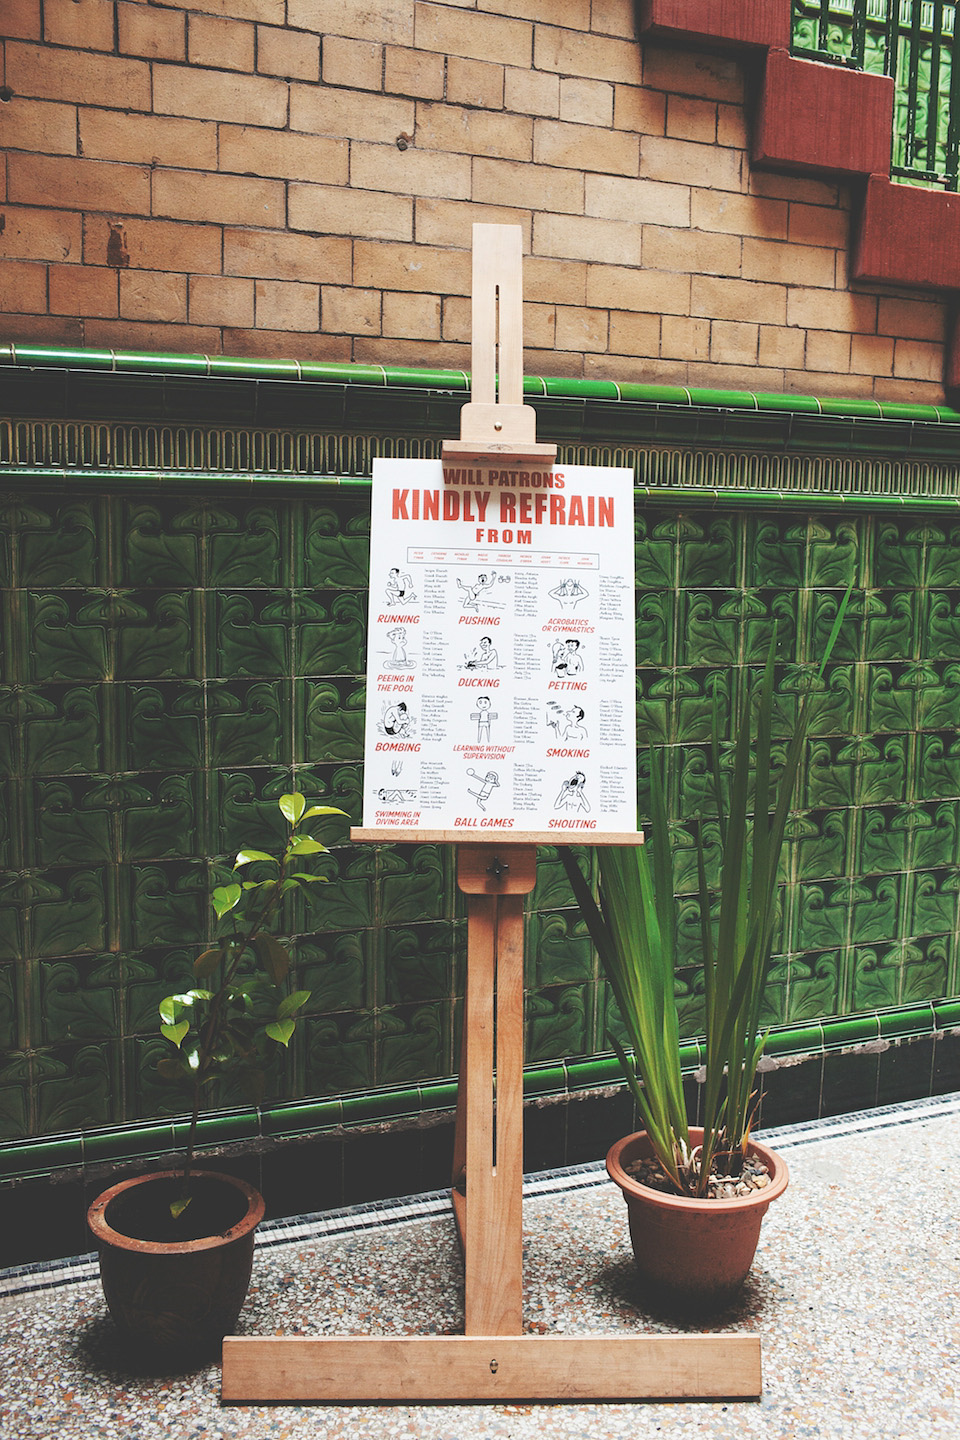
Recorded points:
496,421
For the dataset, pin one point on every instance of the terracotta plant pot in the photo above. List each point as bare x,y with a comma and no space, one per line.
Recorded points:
692,1255
175,1288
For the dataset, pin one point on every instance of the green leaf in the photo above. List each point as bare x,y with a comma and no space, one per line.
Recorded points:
176,1034
207,963
274,957
310,879
226,898
835,631
306,845
321,810
247,857
290,1004
634,927
637,961
169,1008
292,807
177,1207
281,1031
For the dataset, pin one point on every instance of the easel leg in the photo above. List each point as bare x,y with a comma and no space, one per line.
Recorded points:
491,1092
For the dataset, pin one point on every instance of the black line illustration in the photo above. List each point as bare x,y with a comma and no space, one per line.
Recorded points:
572,795
400,589
568,593
397,721
483,716
480,591
567,658
483,656
567,725
488,783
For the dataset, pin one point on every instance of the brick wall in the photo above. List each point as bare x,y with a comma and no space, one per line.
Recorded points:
299,177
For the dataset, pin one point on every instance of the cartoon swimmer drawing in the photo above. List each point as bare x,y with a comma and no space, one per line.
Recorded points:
399,658
571,795
400,589
482,656
567,660
398,639
568,593
472,593
488,783
397,720
483,715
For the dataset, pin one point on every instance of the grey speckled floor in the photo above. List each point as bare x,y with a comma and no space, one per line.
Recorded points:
854,1292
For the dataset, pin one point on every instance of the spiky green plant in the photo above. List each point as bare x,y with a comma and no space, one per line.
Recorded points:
634,930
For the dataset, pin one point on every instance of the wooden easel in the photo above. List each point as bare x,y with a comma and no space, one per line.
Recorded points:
493,1360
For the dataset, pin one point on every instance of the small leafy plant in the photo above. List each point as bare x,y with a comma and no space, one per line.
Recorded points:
231,1023
634,930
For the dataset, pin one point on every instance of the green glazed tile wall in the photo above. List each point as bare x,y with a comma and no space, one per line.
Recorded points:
171,665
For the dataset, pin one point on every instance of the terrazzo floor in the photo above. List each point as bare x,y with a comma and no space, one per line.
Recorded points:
854,1292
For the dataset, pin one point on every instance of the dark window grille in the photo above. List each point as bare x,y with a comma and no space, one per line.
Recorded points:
912,40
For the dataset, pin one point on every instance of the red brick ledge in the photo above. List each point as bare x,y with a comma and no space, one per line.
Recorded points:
828,119
823,117
909,236
733,22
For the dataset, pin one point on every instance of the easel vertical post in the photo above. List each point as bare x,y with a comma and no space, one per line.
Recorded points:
496,351
496,422
488,1151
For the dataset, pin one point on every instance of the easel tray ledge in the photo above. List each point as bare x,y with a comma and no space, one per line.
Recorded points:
361,833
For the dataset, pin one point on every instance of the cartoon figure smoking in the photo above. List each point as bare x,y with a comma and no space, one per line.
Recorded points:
567,725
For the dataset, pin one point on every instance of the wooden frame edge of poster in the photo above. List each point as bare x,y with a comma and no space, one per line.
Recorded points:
366,835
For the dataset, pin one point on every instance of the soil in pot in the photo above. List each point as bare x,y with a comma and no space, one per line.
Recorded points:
692,1256
176,1287
723,1183
143,1212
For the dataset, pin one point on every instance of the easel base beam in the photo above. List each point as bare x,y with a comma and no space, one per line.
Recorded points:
501,1369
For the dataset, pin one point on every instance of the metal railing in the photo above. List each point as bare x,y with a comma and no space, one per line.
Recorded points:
912,40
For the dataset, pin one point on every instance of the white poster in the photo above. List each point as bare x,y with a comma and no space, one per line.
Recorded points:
501,649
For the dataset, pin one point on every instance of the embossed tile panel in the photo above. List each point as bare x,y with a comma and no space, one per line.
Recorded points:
170,666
